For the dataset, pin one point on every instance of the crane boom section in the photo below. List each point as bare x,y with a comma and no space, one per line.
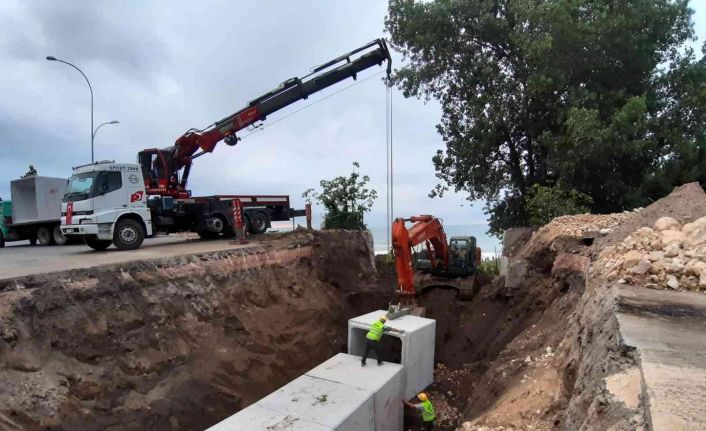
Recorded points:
288,92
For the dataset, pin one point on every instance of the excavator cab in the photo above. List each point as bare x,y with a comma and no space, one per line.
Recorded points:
462,256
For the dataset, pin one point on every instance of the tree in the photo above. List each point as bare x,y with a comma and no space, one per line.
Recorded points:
586,93
345,200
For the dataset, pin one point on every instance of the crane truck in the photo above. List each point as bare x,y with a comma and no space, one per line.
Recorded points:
122,203
451,264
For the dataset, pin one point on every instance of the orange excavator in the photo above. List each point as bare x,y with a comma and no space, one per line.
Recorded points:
451,264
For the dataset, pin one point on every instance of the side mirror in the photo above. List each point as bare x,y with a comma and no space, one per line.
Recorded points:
104,189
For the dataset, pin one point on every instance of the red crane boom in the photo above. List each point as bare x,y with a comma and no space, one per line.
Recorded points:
161,167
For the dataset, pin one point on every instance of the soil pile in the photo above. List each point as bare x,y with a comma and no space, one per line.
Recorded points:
177,343
547,354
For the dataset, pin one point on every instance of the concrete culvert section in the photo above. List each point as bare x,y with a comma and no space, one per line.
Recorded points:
179,342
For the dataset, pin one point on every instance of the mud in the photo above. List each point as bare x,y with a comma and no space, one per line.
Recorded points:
179,343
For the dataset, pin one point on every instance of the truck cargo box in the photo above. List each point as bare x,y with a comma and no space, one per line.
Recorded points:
36,199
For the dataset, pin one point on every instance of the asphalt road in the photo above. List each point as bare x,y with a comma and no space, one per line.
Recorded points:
20,259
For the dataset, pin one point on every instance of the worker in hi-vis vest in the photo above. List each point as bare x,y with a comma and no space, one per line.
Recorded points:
372,339
426,408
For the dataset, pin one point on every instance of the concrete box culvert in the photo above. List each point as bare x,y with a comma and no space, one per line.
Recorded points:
417,356
337,395
340,394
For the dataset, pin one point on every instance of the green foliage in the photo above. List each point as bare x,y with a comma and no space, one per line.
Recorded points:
345,200
599,96
490,266
548,202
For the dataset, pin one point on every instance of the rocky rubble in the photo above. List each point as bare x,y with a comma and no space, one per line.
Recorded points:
581,224
665,256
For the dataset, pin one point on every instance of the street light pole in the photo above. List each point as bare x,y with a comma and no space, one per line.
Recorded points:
93,138
50,58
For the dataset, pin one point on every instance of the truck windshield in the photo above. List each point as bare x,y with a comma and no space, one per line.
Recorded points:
80,186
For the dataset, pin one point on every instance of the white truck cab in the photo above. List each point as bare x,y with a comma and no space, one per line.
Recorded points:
105,203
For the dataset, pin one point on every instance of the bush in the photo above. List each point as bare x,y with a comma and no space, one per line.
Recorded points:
344,220
490,266
548,202
345,200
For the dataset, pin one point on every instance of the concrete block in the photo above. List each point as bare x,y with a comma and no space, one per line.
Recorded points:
417,350
504,262
385,382
514,238
516,273
257,417
336,405
341,395
307,403
37,199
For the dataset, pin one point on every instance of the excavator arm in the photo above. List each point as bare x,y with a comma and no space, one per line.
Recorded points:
426,229
161,167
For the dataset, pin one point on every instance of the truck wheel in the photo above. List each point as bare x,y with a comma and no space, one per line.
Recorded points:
59,237
259,223
98,244
2,240
44,236
128,235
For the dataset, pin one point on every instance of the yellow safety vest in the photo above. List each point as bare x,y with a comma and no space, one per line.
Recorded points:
428,414
376,330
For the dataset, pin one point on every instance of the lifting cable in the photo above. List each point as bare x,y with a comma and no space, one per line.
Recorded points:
389,168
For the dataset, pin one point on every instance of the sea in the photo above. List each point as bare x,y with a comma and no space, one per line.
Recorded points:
489,245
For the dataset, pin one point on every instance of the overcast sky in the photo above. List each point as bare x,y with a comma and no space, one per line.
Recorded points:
163,67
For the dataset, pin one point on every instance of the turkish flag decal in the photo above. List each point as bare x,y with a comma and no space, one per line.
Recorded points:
136,197
69,212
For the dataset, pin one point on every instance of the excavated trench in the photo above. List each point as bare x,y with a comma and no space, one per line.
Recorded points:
179,343
482,344
542,349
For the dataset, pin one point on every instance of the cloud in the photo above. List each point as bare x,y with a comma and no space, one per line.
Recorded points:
116,35
163,67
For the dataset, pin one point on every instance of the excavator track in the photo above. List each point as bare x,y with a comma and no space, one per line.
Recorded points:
465,286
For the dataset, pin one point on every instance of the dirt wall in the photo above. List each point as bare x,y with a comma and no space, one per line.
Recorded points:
547,354
177,344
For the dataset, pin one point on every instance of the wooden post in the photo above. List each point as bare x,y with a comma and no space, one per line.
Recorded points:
307,208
